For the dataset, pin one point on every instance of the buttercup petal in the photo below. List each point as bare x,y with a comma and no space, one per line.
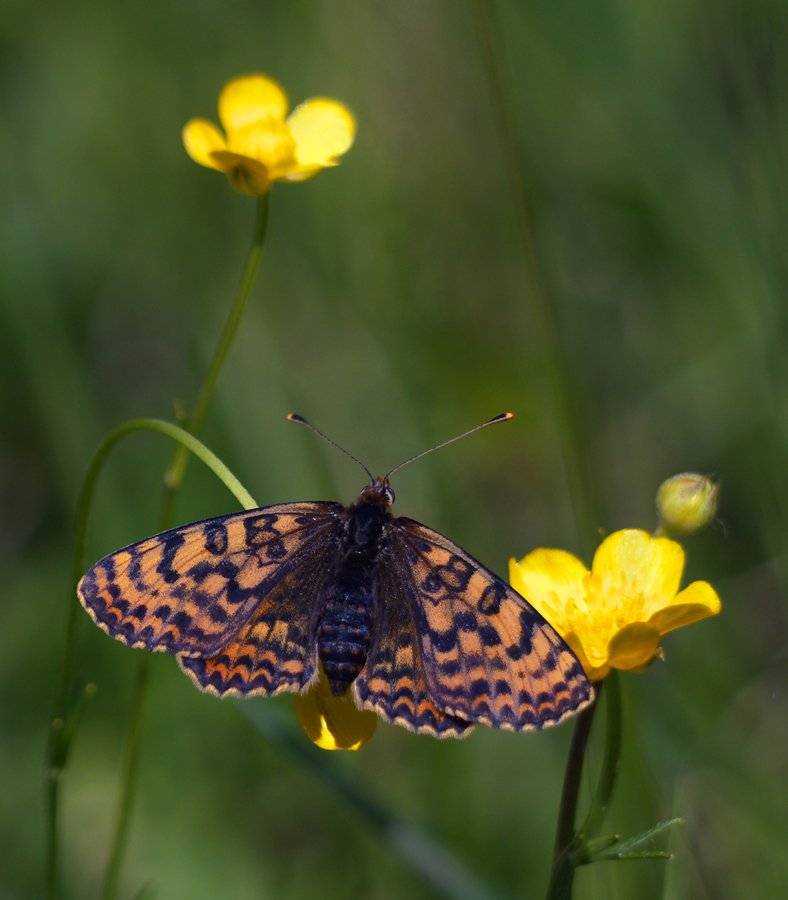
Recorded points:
202,139
597,673
323,130
698,601
614,616
638,563
594,673
333,723
633,646
250,98
551,581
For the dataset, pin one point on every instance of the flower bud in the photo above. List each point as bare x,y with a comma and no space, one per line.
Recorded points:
687,503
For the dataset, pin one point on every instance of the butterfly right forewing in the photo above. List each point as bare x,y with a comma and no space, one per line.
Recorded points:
392,682
488,656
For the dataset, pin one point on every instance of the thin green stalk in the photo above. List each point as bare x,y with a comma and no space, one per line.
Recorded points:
65,714
173,478
109,887
584,501
567,813
610,761
573,847
61,732
563,870
177,467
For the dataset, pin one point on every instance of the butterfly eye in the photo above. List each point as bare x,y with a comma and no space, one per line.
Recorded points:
390,495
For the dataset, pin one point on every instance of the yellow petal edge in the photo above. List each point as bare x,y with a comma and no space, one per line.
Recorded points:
323,130
202,139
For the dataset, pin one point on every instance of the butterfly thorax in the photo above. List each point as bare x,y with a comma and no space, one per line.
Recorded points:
344,630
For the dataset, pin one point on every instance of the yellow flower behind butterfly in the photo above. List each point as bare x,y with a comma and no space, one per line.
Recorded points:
614,615
333,723
261,143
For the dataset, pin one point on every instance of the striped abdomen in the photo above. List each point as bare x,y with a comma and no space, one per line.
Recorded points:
345,628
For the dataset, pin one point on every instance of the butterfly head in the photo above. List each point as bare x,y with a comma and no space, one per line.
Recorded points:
379,492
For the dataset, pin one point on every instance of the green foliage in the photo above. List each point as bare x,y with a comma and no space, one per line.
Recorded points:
394,309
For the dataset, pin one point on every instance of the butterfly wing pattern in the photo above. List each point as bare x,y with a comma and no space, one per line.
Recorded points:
274,650
393,682
488,656
424,634
191,590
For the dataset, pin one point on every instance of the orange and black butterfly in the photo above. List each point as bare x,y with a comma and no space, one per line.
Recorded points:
420,632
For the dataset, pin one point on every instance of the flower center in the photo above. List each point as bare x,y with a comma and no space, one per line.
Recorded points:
606,606
268,141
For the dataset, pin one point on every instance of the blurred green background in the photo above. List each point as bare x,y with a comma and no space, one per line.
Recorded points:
394,309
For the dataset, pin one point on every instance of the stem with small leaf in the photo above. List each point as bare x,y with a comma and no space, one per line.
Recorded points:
572,846
66,713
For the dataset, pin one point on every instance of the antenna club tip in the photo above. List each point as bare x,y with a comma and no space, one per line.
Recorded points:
503,417
294,417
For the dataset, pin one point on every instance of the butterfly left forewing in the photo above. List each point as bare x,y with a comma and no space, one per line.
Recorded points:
487,655
189,590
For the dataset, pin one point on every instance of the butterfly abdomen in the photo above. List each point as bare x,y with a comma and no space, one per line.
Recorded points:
343,639
343,634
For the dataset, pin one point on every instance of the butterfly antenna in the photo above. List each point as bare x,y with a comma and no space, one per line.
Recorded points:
300,420
502,417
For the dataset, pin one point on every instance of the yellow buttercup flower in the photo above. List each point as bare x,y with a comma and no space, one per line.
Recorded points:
331,722
614,615
260,145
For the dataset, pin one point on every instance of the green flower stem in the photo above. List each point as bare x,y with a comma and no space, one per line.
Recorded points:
62,727
583,496
610,762
574,769
563,872
173,478
109,886
65,714
574,848
177,467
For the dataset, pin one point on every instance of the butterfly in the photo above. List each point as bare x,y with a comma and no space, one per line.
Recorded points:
251,603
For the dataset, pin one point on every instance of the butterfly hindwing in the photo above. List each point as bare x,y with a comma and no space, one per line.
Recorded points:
392,682
276,649
191,589
487,655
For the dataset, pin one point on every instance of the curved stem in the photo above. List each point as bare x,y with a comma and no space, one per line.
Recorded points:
177,467
173,478
63,717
